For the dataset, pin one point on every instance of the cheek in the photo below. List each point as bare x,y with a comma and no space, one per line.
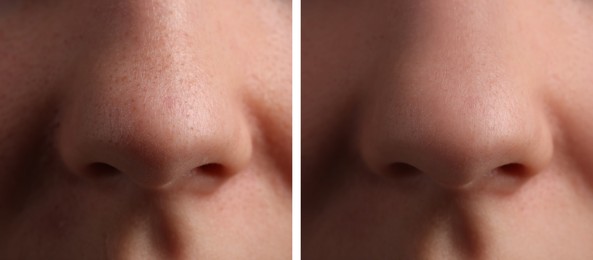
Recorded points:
568,62
29,83
266,71
259,219
550,217
342,58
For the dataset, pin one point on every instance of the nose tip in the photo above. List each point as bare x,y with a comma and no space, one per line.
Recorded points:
449,180
508,175
455,150
153,130
455,141
153,146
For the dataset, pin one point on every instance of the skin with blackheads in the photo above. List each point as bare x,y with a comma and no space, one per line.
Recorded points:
447,129
145,129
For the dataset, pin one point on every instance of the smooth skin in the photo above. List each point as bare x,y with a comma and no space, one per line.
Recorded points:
447,129
145,129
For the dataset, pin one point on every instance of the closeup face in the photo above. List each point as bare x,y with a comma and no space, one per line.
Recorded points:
145,129
447,129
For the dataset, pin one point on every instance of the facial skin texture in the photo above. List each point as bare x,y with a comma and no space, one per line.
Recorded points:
447,129
145,129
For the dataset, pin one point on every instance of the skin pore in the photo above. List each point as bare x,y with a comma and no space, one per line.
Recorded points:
145,129
447,129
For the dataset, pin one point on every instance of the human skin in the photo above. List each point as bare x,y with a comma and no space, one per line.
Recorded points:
145,129
447,129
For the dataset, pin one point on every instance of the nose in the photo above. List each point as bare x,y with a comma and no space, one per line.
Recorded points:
459,105
147,106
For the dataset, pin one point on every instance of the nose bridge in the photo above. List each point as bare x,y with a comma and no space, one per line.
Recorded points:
136,19
451,104
152,37
459,22
460,41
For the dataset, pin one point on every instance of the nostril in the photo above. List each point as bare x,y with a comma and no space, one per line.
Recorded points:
506,179
101,170
212,168
209,177
403,170
513,169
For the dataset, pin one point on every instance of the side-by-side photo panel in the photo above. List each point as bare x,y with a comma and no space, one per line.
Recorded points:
146,129
447,129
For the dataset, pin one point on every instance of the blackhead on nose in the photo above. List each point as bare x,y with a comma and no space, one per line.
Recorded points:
453,107
149,104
